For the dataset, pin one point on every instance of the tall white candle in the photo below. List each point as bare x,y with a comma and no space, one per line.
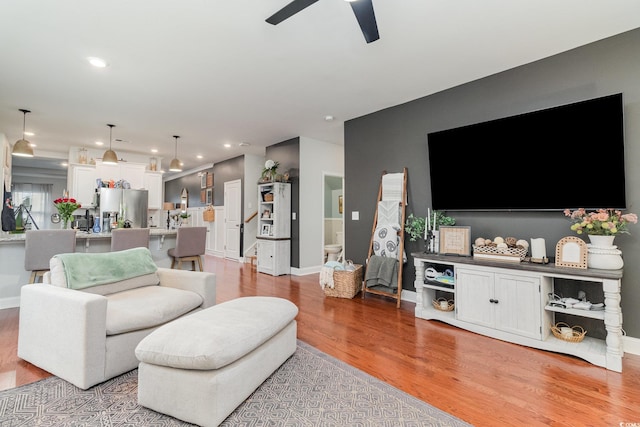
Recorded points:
428,218
538,248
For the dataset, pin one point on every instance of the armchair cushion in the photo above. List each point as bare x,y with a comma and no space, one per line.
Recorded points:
83,270
146,307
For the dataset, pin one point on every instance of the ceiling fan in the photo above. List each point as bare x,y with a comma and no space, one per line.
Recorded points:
363,9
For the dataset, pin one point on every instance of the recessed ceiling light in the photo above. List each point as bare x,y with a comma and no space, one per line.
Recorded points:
154,150
328,118
244,144
29,133
97,62
227,145
99,143
199,156
32,144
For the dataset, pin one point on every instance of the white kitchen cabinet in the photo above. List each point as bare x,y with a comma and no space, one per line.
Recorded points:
81,183
274,256
153,183
133,173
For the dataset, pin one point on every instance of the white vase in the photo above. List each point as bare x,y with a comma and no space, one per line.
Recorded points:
603,254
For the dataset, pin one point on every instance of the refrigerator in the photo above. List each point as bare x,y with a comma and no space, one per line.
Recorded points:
128,205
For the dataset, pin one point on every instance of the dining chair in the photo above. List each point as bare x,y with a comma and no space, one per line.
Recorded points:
41,245
128,238
190,246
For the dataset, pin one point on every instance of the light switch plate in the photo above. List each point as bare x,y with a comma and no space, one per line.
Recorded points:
355,215
293,216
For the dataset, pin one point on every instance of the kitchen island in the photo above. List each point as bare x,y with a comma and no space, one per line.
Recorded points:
12,252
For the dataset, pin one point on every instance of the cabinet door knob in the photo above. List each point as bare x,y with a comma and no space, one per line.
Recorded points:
493,301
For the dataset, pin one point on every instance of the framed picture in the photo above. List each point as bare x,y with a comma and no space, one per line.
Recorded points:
340,204
571,252
203,180
455,240
209,180
266,230
209,196
266,214
203,196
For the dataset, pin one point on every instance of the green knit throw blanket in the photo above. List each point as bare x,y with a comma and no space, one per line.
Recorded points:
84,270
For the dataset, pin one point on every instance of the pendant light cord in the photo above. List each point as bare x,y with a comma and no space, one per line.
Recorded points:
24,121
110,135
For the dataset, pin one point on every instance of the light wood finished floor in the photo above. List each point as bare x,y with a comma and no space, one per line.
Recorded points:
483,381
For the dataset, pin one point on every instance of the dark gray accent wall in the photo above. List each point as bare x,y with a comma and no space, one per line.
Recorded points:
287,153
228,170
173,189
397,137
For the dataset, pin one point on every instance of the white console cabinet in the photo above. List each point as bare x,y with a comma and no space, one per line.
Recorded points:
508,301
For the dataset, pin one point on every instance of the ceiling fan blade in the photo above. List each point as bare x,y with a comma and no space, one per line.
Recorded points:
363,9
289,10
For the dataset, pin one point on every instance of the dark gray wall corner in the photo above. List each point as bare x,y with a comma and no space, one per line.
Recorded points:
397,137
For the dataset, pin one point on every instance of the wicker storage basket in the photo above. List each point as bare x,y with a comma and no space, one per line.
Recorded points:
268,197
495,252
577,332
209,215
346,283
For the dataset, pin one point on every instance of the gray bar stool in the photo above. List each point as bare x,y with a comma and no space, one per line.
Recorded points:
128,238
41,245
190,245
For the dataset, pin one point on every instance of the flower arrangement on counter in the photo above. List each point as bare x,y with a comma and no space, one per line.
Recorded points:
66,206
602,222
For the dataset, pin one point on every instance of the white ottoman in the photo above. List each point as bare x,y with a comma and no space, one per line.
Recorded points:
199,368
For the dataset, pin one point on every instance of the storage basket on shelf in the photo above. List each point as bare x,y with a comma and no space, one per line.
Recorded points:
346,283
565,332
268,197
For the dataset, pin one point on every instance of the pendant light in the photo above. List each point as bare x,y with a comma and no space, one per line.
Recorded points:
22,147
109,157
175,163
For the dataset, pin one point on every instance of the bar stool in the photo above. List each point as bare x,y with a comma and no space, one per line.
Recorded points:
190,245
41,245
128,238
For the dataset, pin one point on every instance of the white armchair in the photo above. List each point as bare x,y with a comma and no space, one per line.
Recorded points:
89,336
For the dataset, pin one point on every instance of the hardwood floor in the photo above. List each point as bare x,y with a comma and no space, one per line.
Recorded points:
483,381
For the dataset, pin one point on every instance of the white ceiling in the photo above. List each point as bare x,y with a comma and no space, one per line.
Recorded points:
215,72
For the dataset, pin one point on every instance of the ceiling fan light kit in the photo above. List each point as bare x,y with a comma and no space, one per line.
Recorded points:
109,157
362,9
22,147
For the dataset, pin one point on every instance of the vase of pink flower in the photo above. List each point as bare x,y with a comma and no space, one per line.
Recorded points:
602,226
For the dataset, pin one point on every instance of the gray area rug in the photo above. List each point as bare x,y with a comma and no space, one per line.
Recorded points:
310,389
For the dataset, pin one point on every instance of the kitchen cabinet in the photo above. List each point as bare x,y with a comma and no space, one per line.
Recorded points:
153,183
133,173
81,182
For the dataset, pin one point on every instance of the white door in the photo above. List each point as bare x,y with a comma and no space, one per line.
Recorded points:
232,219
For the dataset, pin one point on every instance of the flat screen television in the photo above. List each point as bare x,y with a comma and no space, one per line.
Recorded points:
570,156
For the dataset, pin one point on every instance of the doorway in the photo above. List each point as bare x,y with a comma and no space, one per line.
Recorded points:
333,208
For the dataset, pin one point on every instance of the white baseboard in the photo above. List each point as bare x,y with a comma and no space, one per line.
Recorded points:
630,345
11,302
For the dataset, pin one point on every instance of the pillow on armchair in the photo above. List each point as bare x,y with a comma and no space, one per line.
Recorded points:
104,273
